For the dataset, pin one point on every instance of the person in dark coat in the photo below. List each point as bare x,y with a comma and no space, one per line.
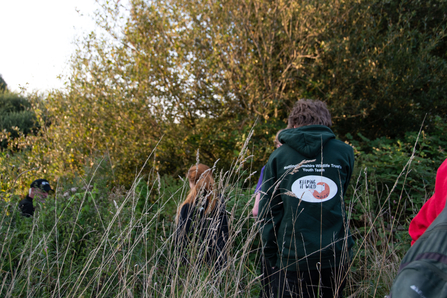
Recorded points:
304,228
201,219
39,190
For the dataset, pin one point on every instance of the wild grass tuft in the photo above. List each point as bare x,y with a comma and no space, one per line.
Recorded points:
95,240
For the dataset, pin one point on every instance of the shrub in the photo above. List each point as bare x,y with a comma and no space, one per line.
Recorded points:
16,117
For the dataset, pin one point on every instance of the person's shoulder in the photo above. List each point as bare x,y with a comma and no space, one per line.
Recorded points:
184,212
281,151
185,208
26,207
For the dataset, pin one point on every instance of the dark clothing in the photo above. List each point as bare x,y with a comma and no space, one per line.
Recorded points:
266,279
26,206
304,224
266,269
211,230
302,207
291,284
423,269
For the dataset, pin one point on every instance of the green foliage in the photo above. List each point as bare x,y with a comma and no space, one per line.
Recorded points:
93,239
392,180
150,190
403,172
3,85
384,67
199,75
124,97
16,117
61,235
176,81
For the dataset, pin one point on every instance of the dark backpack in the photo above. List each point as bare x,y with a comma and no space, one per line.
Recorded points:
423,270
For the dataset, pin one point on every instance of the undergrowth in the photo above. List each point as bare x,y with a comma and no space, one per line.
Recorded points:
94,239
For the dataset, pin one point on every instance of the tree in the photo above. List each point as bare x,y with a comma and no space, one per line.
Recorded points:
16,116
384,71
3,85
198,75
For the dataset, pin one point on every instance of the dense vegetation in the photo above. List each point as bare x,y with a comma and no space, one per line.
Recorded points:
3,84
16,116
96,239
173,82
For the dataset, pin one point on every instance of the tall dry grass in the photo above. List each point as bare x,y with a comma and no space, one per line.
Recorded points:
94,241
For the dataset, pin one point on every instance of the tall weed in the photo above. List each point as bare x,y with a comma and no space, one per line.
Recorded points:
94,239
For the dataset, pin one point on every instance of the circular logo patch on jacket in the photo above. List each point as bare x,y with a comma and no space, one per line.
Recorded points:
314,189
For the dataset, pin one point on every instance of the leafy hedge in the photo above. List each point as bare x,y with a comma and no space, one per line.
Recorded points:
397,176
16,116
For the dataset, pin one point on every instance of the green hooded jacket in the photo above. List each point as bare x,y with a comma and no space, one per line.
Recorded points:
302,212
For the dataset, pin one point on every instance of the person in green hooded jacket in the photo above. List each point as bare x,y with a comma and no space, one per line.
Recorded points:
304,229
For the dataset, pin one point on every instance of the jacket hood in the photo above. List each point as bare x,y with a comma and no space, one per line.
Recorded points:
307,140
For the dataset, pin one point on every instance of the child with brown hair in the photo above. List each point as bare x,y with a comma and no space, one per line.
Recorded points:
202,217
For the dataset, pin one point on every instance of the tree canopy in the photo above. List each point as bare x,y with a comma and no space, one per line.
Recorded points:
3,85
199,75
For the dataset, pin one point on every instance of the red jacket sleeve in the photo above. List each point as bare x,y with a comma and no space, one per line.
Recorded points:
432,207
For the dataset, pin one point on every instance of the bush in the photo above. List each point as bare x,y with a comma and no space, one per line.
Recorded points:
94,239
3,85
382,67
16,117
403,171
